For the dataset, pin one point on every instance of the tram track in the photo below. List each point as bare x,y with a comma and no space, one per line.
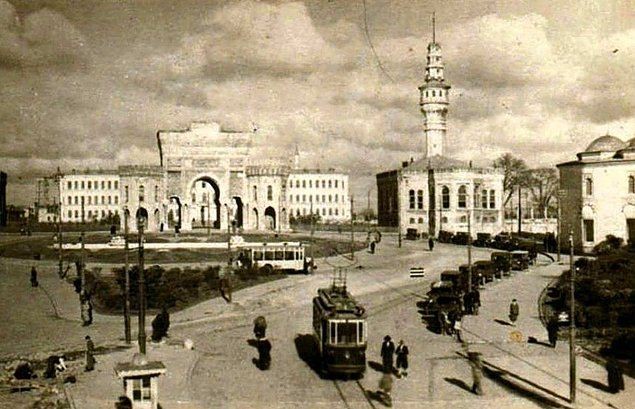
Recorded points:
349,399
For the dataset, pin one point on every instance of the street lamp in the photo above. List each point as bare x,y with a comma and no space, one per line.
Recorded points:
126,291
142,296
572,362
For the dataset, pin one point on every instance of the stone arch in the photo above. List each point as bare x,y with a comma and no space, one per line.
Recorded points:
142,213
256,220
157,220
270,218
238,214
174,216
210,210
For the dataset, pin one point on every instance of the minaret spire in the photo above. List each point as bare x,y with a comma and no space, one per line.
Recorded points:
434,27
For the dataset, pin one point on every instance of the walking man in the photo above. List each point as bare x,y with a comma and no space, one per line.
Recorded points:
552,331
477,372
34,282
385,388
476,301
615,375
90,354
431,243
387,352
402,359
264,354
457,327
514,310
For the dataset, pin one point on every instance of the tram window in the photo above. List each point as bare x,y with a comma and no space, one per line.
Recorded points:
347,333
269,255
279,255
257,255
288,255
360,332
333,333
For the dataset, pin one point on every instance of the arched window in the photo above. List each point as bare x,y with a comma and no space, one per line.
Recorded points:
193,197
297,184
156,193
445,197
589,186
412,198
330,184
269,192
255,191
142,193
125,194
631,184
421,220
434,94
492,199
484,199
420,199
462,197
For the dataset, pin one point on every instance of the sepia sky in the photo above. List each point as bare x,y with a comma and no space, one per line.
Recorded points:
88,83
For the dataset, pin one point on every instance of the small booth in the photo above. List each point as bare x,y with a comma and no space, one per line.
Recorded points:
141,381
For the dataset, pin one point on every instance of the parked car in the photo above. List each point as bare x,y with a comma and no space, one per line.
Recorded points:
477,277
505,241
503,262
412,234
483,240
445,236
457,280
460,238
520,260
485,269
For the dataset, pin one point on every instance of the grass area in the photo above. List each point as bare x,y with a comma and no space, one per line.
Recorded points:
39,246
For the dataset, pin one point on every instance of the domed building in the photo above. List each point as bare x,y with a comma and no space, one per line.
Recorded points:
598,193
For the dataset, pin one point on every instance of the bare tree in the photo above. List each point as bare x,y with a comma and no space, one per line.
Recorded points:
543,185
515,174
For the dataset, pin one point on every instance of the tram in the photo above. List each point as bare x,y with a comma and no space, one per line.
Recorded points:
339,325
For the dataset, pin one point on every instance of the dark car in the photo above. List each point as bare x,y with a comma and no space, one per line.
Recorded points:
412,234
486,269
503,262
430,306
445,236
520,260
477,277
483,240
460,238
505,241
455,278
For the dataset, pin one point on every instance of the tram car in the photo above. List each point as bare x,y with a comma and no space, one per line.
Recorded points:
339,325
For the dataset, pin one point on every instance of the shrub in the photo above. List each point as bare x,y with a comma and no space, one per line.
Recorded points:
608,245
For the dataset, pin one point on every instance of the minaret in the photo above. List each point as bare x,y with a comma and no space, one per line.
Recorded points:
296,158
434,99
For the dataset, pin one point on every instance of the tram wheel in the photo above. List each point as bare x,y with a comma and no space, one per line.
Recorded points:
267,269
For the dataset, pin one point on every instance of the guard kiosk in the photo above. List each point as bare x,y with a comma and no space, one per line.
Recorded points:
141,381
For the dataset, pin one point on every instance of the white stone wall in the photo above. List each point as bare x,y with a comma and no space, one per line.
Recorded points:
98,191
153,200
330,198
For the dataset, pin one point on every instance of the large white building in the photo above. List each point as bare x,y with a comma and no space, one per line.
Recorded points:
598,193
323,191
435,192
89,195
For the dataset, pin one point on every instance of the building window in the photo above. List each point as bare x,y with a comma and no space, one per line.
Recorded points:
69,185
103,200
70,214
141,389
462,197
291,198
445,197
103,184
420,220
89,185
311,183
323,212
420,199
90,214
109,199
269,192
588,231
492,199
103,214
336,212
297,198
303,198
336,198
76,214
330,184
323,184
116,199
588,186
126,194
255,192
484,199
116,184
304,183
76,200
330,198
75,184
83,185
412,220
109,184
70,200
411,196
96,201
317,183
330,212
323,198
89,200
156,193
631,184
311,198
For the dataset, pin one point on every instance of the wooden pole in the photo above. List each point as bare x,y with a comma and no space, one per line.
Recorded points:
142,291
352,228
572,362
126,290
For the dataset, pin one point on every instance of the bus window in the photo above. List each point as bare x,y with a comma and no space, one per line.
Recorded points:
279,255
333,333
347,333
269,254
300,254
360,332
257,255
288,254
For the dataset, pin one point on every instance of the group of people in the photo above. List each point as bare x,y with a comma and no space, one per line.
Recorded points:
388,352
263,345
450,323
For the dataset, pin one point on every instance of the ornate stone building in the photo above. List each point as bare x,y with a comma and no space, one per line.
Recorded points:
435,192
598,193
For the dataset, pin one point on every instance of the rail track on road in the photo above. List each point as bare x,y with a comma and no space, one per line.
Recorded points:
348,390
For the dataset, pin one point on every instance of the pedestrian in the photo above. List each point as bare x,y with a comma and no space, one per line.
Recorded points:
457,327
385,388
477,372
90,354
431,243
387,352
34,282
552,331
514,310
260,327
86,309
160,325
476,301
372,247
124,402
402,359
615,375
264,354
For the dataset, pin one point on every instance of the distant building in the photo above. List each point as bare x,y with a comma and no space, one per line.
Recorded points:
435,192
47,196
598,193
89,196
3,199
324,191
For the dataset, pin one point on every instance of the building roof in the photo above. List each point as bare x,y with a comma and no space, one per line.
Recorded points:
437,162
329,171
606,143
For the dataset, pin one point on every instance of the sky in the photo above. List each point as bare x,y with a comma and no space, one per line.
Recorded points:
88,83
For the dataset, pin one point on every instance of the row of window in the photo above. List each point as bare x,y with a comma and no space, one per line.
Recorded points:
92,184
92,200
317,198
325,183
588,185
434,93
488,198
459,219
142,193
323,211
90,214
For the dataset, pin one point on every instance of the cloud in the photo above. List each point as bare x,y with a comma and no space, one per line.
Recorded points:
44,38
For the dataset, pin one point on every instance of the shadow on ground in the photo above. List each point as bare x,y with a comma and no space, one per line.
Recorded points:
519,390
595,384
458,382
307,349
502,322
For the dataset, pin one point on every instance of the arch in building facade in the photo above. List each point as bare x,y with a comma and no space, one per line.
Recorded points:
209,207
256,221
270,218
142,214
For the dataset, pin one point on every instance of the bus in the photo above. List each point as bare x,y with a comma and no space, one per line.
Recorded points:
288,256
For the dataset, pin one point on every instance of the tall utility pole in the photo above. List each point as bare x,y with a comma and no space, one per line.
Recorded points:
520,212
229,236
142,289
398,213
572,363
469,250
312,229
126,289
82,274
59,239
83,219
352,229
209,215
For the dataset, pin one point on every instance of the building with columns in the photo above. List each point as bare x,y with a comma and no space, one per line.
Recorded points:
598,193
435,192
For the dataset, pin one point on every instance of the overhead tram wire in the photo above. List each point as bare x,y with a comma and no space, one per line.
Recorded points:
372,47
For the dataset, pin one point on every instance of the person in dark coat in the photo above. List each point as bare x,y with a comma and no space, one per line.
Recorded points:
514,311
260,327
124,402
264,354
477,372
431,243
160,325
387,352
34,282
90,354
552,331
402,359
615,375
